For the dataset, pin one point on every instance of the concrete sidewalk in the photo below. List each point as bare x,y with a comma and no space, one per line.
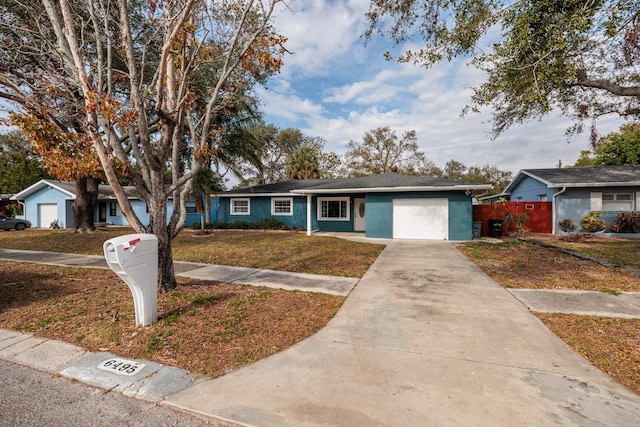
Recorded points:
424,339
334,285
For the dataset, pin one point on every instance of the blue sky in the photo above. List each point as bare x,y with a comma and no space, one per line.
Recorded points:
335,87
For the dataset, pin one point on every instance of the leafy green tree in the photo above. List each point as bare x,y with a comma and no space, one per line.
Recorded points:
264,155
455,170
381,151
205,183
586,159
579,57
303,163
20,166
619,148
128,77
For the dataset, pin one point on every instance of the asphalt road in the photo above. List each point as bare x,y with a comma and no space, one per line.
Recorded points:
32,398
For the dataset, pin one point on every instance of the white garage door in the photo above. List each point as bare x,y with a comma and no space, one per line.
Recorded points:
421,219
47,213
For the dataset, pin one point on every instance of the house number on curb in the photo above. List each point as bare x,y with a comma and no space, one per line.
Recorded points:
121,366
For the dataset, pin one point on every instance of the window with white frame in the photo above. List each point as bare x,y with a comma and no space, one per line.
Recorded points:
542,197
240,207
113,209
333,209
617,202
281,206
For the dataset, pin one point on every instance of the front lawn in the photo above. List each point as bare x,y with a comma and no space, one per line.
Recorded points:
613,345
207,327
285,251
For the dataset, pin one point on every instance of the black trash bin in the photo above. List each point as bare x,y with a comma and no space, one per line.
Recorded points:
495,228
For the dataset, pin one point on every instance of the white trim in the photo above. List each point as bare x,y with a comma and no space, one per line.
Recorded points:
554,208
393,189
281,199
595,201
232,207
347,200
615,200
637,206
38,186
309,210
237,195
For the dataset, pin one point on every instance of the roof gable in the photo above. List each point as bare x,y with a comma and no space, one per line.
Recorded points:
69,188
595,176
63,187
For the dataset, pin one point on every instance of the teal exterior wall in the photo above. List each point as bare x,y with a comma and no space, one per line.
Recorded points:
260,207
380,213
460,216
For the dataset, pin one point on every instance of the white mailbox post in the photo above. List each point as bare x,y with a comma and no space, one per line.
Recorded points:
134,257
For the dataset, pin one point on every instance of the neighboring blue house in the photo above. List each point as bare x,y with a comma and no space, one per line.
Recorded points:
49,200
382,206
575,192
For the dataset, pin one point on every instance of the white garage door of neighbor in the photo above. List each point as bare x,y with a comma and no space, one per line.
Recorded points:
47,213
421,219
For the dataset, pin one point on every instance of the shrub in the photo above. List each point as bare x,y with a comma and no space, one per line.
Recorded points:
518,221
626,222
592,223
237,225
567,225
270,223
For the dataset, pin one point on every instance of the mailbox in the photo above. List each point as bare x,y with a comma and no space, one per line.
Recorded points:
134,257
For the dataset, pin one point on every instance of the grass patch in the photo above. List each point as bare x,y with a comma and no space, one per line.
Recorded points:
618,252
206,300
285,251
517,264
195,331
613,345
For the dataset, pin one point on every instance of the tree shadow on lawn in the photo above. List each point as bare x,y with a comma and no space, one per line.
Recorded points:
20,287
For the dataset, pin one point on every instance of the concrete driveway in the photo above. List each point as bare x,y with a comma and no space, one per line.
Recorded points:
425,339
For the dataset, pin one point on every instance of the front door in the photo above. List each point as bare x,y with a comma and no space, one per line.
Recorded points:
102,212
359,221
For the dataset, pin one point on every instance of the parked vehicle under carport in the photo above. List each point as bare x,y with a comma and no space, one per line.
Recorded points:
8,223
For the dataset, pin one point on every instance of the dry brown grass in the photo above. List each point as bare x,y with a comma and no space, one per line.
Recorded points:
285,251
209,328
613,345
516,264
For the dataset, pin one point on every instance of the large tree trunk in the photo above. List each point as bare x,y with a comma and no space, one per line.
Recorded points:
83,206
158,226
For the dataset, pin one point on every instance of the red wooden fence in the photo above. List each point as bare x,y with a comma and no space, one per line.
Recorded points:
540,215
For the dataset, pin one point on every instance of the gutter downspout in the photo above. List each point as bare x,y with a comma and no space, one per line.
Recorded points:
554,208
309,197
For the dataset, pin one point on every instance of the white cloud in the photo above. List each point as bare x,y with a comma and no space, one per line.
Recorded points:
318,30
335,88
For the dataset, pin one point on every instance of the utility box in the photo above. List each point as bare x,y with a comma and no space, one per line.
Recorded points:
134,257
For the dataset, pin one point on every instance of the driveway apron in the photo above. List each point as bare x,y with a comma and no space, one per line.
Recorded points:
425,339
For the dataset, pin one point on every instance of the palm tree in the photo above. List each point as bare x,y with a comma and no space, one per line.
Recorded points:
205,183
303,163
